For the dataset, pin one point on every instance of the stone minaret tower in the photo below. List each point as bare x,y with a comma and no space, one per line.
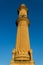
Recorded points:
22,54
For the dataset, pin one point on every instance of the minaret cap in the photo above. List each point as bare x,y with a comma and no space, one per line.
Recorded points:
22,6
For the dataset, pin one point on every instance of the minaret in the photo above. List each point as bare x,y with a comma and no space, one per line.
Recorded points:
22,54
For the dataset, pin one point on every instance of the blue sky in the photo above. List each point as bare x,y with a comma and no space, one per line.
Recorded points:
8,16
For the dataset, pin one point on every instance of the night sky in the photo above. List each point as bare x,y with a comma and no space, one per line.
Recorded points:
8,16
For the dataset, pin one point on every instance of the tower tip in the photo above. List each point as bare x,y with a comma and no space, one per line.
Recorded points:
22,4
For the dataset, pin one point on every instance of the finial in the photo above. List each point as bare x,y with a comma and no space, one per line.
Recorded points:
23,5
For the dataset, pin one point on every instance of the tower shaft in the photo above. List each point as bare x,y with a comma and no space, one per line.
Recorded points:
22,40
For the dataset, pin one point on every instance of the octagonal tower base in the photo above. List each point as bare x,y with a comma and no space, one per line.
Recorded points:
22,63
